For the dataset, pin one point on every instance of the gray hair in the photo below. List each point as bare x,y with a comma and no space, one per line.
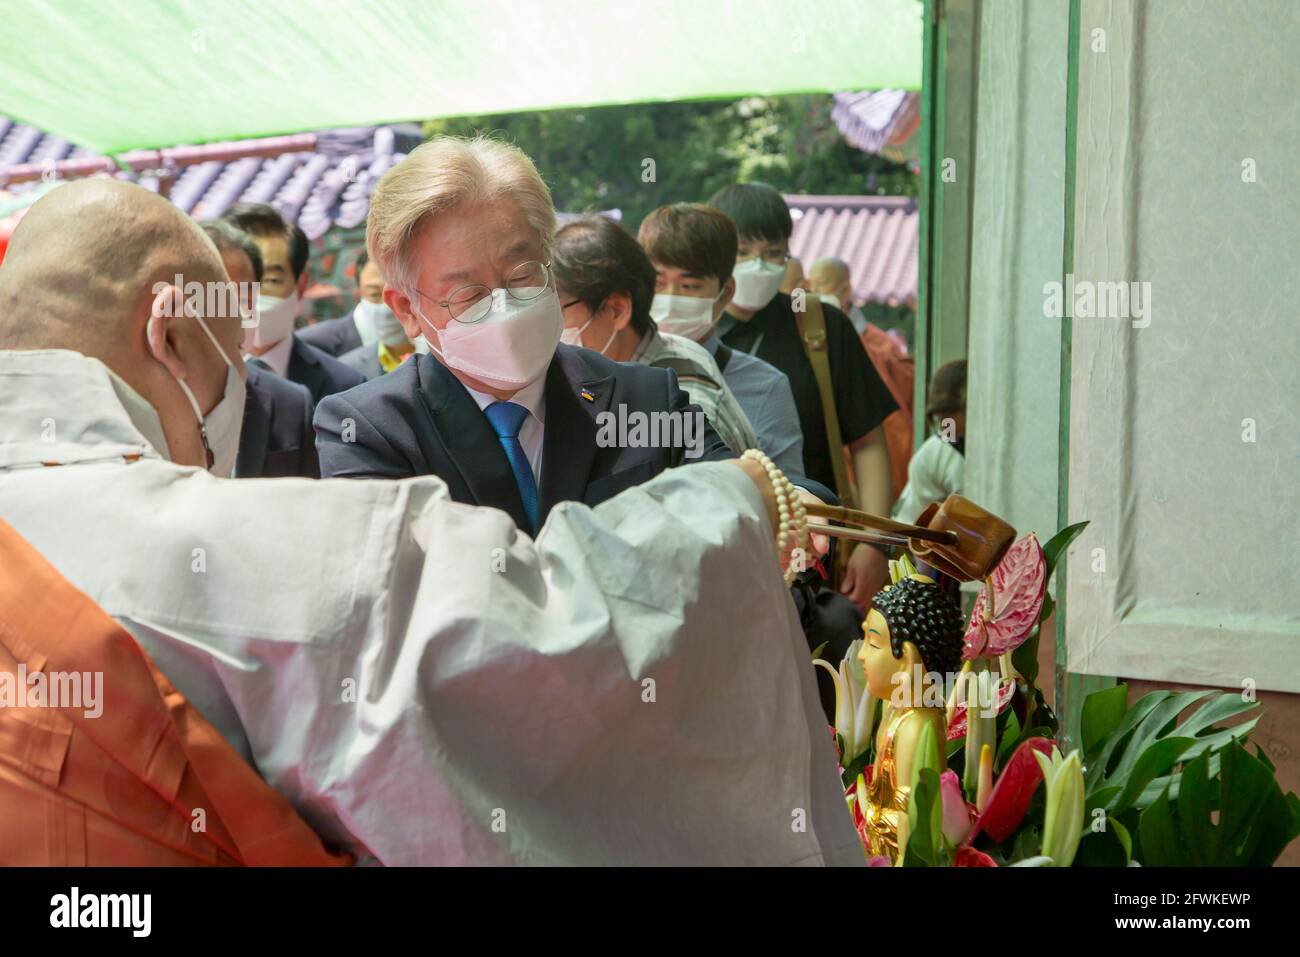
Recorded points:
438,176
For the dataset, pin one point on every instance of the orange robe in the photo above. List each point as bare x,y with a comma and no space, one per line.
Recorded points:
898,370
148,781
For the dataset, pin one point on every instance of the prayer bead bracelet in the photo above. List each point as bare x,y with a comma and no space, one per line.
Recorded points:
791,516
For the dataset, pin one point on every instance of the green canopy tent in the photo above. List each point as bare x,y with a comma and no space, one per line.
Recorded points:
127,74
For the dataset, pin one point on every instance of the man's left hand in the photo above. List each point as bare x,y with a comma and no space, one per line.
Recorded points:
865,574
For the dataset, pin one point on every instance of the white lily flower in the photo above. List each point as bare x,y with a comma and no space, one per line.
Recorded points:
854,705
1063,820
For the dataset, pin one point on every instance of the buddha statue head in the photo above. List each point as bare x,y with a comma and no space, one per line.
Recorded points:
912,640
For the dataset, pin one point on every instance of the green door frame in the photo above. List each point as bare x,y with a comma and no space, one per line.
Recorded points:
1071,687
941,321
949,93
933,69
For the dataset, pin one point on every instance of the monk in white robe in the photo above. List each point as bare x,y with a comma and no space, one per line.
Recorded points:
422,681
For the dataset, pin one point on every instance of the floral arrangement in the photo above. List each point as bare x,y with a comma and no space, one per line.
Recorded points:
1161,782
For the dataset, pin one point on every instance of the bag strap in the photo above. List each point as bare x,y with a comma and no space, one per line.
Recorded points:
722,356
812,331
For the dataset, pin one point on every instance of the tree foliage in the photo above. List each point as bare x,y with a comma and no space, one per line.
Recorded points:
636,157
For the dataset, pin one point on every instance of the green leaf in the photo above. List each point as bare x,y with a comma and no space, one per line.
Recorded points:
1058,543
1049,606
857,766
1255,820
1259,753
1025,657
817,652
1097,770
1028,843
1112,847
925,817
1102,712
1159,835
1010,737
1113,757
926,755
1153,761
1125,839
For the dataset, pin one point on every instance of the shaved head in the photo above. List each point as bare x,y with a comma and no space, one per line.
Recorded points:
831,275
834,270
85,258
86,269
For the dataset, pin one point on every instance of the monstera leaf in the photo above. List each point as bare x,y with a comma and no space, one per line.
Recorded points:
1132,757
1255,820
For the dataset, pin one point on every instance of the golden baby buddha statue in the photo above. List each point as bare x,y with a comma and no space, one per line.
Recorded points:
912,642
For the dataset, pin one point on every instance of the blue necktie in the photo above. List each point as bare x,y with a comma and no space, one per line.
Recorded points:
507,418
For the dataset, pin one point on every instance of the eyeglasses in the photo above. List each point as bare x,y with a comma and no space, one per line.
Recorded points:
472,303
769,257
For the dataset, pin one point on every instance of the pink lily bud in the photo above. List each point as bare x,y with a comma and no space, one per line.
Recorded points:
956,817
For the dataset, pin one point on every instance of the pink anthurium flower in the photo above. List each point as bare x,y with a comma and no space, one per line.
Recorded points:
1007,608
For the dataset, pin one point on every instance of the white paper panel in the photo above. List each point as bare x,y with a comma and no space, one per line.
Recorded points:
1196,522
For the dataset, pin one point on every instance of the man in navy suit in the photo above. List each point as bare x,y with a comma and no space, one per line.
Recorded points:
502,413
276,438
284,280
346,333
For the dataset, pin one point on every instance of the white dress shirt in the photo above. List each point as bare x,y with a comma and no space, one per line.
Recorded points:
277,357
533,398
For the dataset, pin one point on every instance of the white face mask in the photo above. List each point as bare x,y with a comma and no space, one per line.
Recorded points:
275,318
508,348
689,316
757,283
831,299
219,429
573,337
383,323
363,317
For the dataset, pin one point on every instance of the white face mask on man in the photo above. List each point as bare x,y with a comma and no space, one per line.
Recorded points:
383,324
275,316
688,316
220,428
757,283
573,336
508,348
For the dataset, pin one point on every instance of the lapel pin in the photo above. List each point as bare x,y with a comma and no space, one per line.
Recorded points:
588,396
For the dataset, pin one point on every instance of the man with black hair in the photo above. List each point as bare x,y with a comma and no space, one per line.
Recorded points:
277,437
284,280
386,345
693,250
606,286
760,320
357,328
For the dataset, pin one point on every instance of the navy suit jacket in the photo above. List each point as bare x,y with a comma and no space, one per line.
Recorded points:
365,359
277,437
419,420
335,336
322,374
